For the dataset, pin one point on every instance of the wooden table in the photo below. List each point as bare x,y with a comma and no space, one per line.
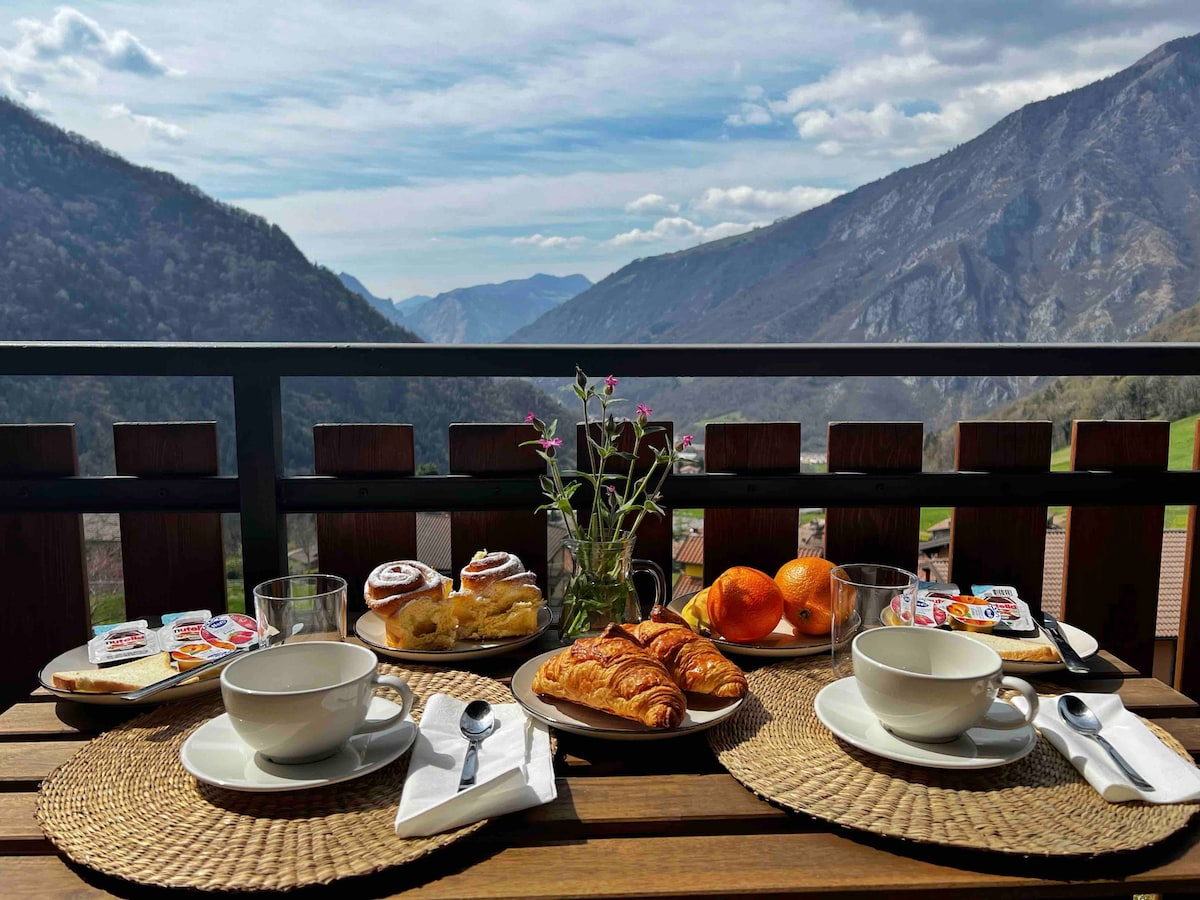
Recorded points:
643,819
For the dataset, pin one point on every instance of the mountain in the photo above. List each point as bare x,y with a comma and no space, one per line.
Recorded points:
382,305
95,248
488,313
1074,218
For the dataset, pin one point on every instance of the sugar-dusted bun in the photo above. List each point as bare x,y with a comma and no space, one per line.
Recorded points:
393,584
486,569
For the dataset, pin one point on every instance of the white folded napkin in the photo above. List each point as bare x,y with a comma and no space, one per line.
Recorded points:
515,769
1175,779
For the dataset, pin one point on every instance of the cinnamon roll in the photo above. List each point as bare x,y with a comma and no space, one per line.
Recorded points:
413,601
496,598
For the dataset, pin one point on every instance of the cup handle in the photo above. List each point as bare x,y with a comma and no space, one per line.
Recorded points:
1025,690
656,572
406,702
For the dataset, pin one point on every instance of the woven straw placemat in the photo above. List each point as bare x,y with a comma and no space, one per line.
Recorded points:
125,806
1037,806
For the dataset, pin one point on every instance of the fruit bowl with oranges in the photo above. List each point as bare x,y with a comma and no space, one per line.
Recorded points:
749,612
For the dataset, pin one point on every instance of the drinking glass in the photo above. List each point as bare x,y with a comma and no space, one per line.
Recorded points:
301,608
861,593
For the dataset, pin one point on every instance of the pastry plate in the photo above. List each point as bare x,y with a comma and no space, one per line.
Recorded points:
77,659
1085,645
780,643
216,755
371,631
702,713
841,709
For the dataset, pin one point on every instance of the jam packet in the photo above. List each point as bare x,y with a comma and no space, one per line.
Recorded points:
230,631
126,640
932,597
1015,618
968,613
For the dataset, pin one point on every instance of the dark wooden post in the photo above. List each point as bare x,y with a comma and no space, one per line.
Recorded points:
172,562
998,545
884,535
496,451
1114,553
352,544
44,611
760,538
1187,660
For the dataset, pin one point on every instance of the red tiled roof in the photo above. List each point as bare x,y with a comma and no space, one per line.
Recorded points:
691,550
433,540
686,584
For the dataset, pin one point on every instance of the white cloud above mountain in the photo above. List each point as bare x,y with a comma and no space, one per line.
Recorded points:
549,242
152,126
70,37
675,228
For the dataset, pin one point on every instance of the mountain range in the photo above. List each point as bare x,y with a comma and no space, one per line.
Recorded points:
95,248
483,314
1075,218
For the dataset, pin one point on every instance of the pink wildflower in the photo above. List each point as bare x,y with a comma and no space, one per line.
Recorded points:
552,442
529,418
610,381
686,442
644,411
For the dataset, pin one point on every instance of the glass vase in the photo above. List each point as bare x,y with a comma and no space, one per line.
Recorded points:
599,587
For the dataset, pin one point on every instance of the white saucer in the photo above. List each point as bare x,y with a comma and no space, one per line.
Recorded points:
217,756
841,708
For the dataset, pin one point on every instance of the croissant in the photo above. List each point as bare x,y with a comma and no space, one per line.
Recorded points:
694,662
616,674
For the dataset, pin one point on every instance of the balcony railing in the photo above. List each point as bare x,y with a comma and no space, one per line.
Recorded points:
751,490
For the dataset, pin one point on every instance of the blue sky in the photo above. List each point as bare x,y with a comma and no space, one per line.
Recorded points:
428,146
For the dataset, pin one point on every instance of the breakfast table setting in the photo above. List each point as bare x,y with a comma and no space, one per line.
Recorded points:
843,729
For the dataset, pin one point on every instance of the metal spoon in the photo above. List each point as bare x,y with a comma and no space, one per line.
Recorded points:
476,723
1079,716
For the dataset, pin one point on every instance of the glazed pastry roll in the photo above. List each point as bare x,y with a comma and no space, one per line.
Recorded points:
413,600
497,598
616,674
694,662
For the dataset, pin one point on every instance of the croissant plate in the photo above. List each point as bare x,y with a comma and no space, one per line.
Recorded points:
616,674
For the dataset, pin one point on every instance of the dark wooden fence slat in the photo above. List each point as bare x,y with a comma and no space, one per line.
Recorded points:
655,534
1113,554
885,535
494,450
1187,663
352,544
171,561
1001,546
761,538
44,610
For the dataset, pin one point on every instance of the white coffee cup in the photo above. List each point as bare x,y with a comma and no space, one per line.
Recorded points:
924,684
299,703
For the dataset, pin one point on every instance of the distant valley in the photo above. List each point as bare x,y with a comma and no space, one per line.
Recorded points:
483,314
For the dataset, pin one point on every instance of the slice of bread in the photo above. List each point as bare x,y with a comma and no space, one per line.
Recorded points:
130,676
1017,650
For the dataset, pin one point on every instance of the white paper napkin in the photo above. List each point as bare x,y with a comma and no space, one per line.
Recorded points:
515,770
1175,780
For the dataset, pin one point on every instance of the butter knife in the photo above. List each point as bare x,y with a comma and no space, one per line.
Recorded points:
183,676
1065,650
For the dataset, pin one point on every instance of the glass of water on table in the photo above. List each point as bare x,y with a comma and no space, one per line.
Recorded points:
301,608
865,596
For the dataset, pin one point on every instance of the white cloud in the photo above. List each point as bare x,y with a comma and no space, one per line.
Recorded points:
751,114
154,127
546,241
675,228
744,199
651,203
829,148
71,36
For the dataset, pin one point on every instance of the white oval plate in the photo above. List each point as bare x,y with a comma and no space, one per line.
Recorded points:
842,710
1085,645
780,643
701,714
371,630
77,659
214,754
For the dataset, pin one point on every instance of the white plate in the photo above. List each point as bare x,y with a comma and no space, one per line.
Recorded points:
1085,645
841,708
371,630
216,755
77,659
780,643
700,715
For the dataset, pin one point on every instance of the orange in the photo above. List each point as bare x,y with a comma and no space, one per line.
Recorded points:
744,604
807,602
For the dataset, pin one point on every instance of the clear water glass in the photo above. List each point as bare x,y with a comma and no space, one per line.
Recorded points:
862,595
301,608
